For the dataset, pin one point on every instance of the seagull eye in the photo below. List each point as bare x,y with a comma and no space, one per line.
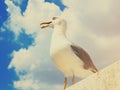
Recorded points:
54,18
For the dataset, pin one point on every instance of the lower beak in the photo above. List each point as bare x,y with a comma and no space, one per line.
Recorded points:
45,24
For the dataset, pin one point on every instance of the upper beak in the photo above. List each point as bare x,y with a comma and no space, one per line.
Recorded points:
45,24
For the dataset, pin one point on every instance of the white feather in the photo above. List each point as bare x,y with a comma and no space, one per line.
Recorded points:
63,56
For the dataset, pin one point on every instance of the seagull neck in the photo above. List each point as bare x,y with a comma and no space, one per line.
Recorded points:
59,39
59,30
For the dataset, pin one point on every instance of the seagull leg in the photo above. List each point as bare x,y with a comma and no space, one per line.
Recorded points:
73,79
65,83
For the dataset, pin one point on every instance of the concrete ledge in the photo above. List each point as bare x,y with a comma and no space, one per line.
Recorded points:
106,79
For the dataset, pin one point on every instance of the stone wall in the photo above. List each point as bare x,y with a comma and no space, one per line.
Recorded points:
106,79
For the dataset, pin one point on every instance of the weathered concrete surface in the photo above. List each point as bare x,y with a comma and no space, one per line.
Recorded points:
106,79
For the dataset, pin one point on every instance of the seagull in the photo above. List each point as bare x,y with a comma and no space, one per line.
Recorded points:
69,58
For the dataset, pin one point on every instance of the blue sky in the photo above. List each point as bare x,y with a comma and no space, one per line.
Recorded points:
8,43
25,63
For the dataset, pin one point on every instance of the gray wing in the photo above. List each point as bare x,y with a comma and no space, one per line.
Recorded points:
83,55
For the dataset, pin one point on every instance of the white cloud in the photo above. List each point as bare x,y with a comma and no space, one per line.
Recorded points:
27,85
13,21
34,85
37,11
18,2
99,16
92,24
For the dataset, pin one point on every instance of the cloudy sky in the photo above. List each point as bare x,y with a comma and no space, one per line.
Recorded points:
25,63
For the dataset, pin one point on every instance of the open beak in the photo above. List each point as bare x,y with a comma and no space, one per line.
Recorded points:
45,24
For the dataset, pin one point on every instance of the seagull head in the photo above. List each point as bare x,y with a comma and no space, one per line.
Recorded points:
56,21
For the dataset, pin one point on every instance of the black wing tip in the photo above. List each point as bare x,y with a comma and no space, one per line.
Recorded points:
94,70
